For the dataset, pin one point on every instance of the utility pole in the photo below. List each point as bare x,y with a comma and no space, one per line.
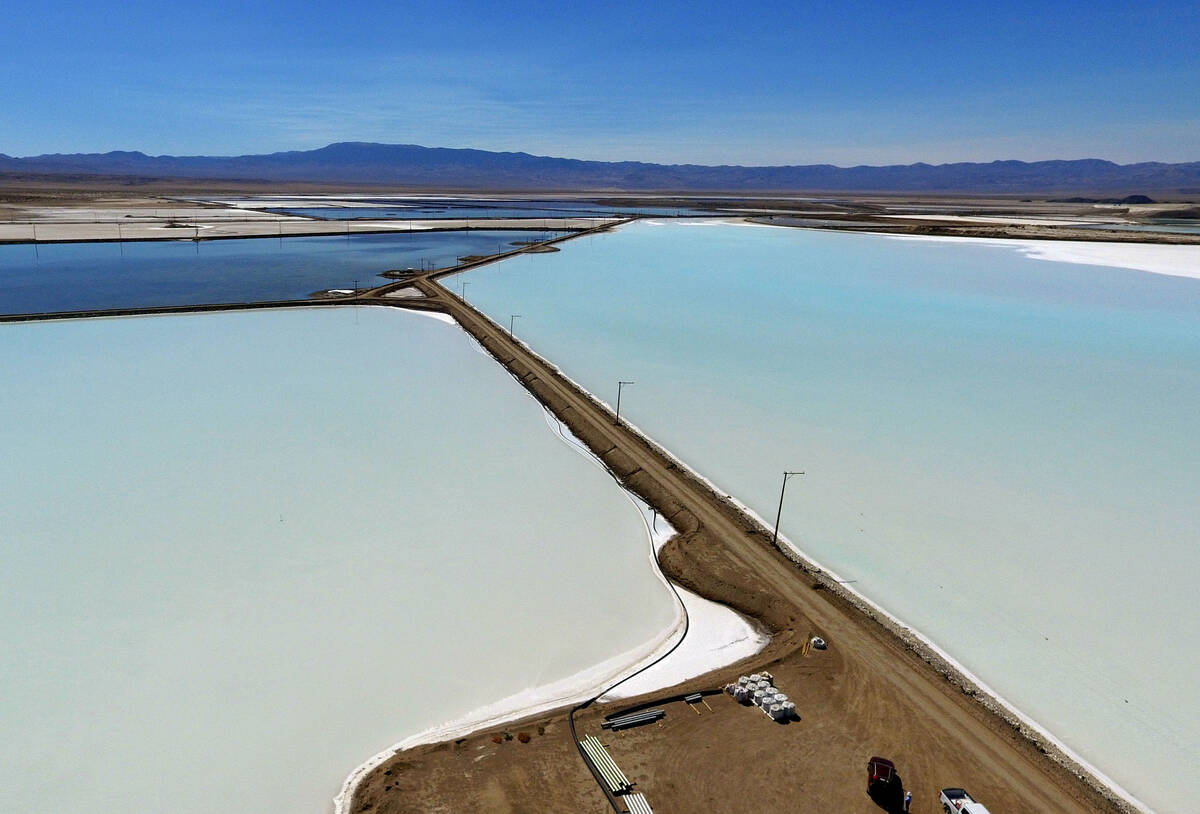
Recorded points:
620,385
779,513
512,317
464,290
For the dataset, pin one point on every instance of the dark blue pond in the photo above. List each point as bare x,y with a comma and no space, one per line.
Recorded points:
78,276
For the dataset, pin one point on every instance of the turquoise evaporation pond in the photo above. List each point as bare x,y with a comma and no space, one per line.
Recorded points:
1004,452
83,276
242,553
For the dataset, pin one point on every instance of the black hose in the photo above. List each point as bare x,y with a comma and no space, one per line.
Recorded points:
612,800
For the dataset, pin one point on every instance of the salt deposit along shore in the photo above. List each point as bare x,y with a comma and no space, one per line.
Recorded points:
715,636
1171,260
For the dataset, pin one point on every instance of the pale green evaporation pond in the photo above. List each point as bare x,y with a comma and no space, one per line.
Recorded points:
1003,452
242,553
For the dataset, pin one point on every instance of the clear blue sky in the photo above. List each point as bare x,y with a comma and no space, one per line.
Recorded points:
750,83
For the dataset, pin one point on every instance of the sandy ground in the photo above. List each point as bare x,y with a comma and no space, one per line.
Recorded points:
877,690
723,757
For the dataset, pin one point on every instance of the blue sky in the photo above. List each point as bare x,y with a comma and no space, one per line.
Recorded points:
750,83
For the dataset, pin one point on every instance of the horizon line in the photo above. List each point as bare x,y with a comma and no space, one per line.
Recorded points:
144,154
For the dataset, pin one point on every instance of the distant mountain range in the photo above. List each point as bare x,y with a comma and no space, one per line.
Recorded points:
409,165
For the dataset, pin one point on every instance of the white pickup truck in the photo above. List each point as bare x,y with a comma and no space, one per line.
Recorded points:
957,801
